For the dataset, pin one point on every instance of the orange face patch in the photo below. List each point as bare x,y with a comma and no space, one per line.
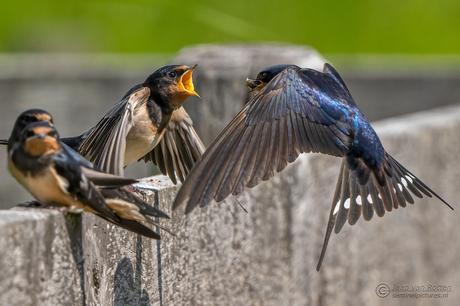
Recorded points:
43,117
45,130
36,145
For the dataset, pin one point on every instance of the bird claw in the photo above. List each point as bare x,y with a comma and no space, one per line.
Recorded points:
138,191
63,210
35,204
31,204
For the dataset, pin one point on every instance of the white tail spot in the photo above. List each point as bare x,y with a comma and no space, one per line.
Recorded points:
404,182
336,209
409,179
347,203
369,199
358,200
400,186
380,196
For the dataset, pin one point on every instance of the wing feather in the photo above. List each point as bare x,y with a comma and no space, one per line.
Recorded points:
372,196
282,121
179,148
106,142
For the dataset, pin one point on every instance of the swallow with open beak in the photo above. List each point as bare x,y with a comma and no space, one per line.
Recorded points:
298,111
55,176
150,124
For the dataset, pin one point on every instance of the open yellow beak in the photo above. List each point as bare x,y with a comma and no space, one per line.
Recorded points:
186,82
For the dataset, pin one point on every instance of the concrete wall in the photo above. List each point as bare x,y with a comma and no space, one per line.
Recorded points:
224,256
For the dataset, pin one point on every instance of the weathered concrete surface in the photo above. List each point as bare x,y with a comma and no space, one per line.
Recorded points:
36,260
224,256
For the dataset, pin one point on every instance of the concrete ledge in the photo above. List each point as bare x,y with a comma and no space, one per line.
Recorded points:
223,256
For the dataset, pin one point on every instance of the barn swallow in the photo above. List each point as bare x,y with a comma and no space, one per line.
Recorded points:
55,177
298,111
150,124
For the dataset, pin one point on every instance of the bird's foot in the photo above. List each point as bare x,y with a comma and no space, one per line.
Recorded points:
31,204
35,204
64,210
138,191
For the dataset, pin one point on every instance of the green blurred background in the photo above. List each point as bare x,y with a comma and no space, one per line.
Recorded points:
350,27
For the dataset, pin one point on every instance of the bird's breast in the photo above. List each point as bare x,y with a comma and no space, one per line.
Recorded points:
142,138
46,187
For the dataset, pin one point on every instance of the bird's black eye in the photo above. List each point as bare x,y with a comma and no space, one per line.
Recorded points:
263,75
172,74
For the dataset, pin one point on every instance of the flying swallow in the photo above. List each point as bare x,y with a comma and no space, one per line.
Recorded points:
56,177
150,124
298,111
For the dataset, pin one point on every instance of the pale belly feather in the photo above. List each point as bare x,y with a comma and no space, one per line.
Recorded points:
45,187
141,139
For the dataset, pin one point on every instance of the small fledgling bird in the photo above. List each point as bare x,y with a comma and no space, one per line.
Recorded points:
150,124
298,111
56,176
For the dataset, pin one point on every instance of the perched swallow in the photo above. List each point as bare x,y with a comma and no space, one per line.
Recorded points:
149,123
54,175
303,110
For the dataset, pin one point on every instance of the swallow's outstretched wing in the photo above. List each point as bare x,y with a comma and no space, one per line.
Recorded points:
179,148
303,110
298,111
105,144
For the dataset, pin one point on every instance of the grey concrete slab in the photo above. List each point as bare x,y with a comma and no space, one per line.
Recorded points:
268,256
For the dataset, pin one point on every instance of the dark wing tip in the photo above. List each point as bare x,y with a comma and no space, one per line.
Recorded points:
138,228
153,211
189,208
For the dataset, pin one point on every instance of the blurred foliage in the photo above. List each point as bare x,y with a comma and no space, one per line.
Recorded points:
362,26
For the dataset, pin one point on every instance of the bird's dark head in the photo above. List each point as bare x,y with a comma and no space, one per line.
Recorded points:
40,138
24,119
265,76
172,84
30,116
